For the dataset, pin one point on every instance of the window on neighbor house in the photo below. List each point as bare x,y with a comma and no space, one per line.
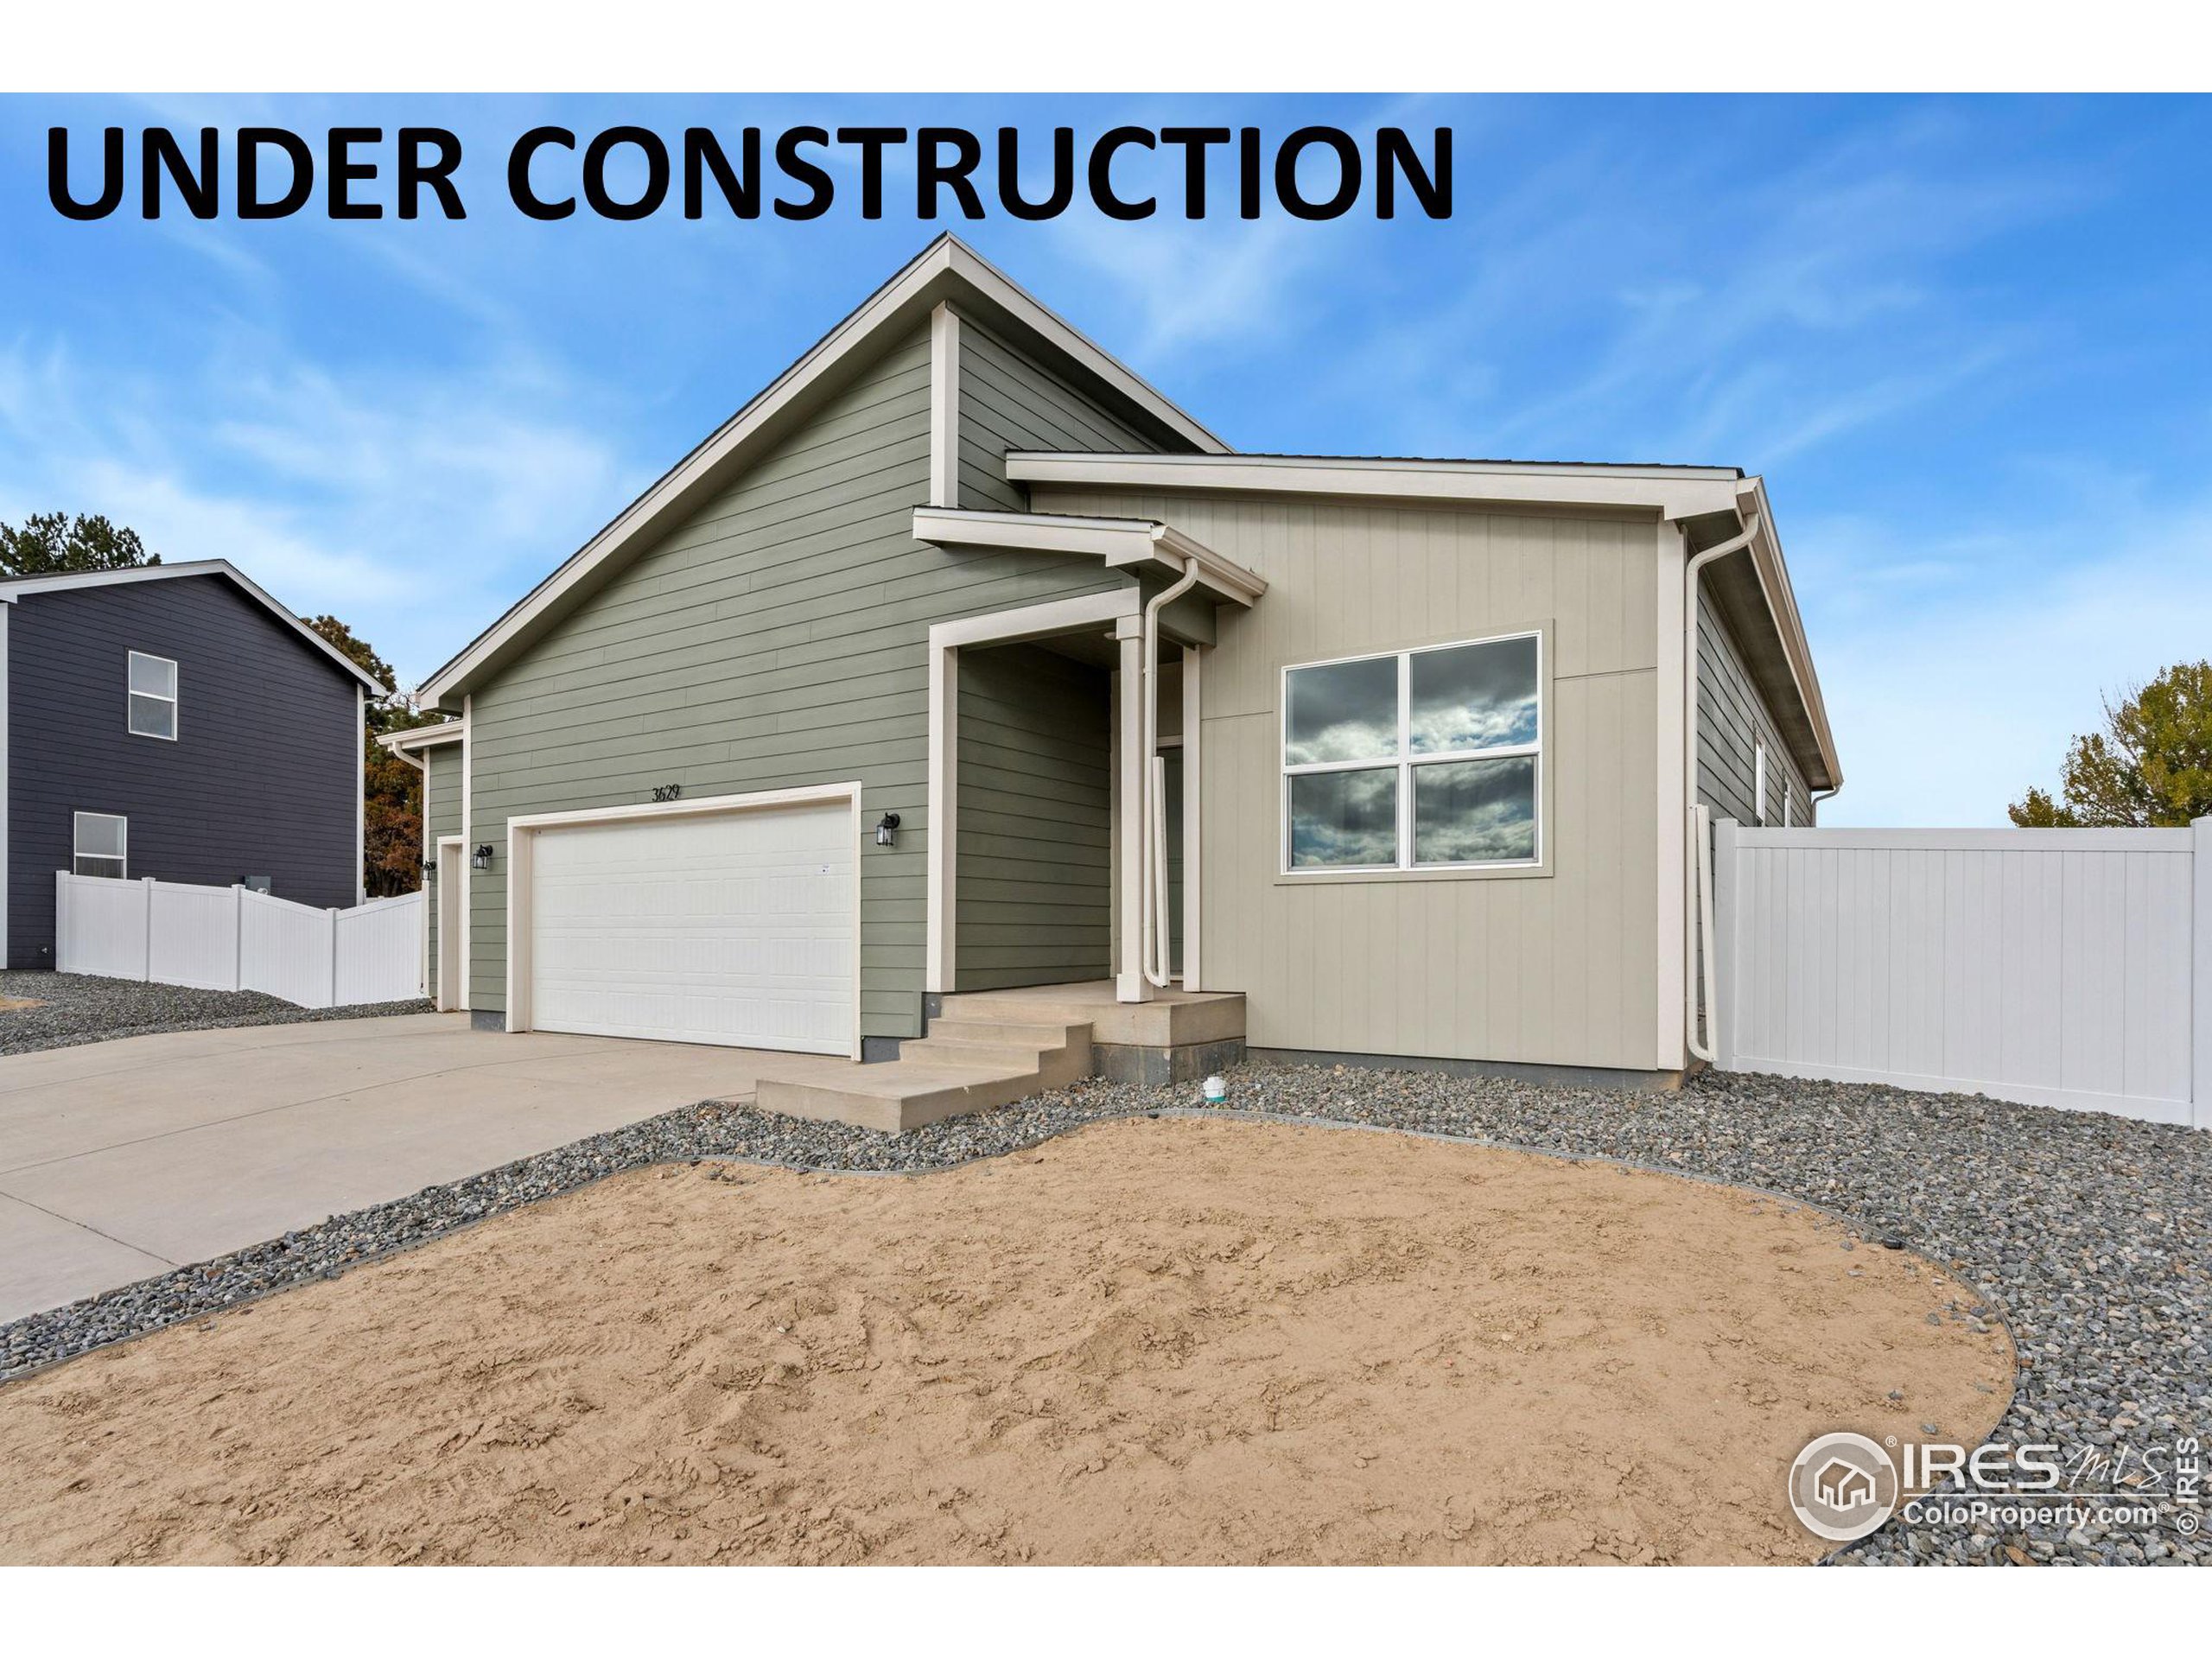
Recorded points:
1416,759
102,845
153,696
1758,780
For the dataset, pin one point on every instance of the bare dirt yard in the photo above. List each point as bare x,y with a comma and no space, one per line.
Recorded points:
1147,1341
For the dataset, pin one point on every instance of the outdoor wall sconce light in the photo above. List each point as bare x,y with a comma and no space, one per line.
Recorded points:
886,830
482,858
429,869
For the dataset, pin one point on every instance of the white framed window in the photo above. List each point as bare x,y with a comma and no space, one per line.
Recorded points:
102,845
1423,760
153,696
1758,780
1789,805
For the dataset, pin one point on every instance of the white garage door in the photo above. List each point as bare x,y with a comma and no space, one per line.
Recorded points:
728,927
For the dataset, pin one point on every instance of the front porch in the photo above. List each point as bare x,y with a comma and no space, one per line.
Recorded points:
1147,639
1172,1036
1063,915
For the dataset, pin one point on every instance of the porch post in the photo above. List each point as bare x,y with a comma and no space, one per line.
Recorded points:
1194,839
1130,982
944,864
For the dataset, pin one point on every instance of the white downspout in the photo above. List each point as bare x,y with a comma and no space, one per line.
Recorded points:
1152,953
1699,872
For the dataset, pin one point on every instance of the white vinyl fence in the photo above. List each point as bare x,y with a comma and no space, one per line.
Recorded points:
2057,967
233,939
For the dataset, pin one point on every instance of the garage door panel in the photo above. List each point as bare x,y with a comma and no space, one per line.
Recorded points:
734,928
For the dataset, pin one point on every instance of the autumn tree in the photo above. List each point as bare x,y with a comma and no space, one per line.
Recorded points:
2150,767
392,857
52,544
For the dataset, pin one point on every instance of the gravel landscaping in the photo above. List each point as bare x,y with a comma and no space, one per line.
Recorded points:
2090,1236
80,1008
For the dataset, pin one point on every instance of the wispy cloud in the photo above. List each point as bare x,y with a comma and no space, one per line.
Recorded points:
1956,673
357,497
1673,302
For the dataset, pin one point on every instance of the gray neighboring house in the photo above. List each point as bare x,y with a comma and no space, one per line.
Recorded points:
171,720
962,661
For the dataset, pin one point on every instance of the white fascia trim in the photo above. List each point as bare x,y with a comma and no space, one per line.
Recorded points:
252,589
1122,543
1781,606
945,255
1667,492
404,744
522,830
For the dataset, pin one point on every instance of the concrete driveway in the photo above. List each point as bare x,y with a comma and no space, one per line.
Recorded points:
122,1160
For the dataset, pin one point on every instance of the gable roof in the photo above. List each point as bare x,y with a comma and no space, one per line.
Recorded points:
14,587
946,269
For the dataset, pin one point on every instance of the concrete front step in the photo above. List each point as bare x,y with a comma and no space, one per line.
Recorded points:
969,1068
969,1028
992,1048
1012,1057
1058,1053
899,1095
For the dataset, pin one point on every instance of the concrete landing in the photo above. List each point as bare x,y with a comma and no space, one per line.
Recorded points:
992,1048
1171,1019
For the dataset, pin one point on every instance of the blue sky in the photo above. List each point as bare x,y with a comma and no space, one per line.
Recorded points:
1965,340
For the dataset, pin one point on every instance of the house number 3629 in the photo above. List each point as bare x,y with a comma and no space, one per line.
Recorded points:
668,792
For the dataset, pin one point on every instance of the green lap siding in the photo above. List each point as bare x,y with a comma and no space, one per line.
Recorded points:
1009,402
1034,886
777,638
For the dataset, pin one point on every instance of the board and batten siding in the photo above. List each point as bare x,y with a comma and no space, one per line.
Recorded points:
1034,901
441,816
1561,968
1733,719
777,638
